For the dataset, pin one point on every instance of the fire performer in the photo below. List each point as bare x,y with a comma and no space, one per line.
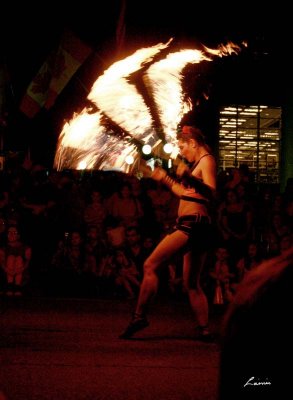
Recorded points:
192,234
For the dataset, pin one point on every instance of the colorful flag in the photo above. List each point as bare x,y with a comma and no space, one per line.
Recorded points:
54,74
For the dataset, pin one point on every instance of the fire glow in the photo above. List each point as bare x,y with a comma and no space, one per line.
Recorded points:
85,143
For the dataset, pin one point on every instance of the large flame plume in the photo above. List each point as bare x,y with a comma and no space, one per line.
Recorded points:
85,143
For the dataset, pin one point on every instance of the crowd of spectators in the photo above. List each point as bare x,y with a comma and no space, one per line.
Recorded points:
79,233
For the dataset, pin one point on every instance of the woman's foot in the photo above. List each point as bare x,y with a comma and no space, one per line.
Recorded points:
136,324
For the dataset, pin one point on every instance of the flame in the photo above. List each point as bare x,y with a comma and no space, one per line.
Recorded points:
120,100
164,81
225,49
85,143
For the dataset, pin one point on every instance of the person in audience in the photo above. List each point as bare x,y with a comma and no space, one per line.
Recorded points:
107,274
135,249
270,244
235,224
286,243
3,225
127,274
161,199
278,226
15,258
114,232
175,281
95,212
124,206
95,250
251,259
222,277
68,264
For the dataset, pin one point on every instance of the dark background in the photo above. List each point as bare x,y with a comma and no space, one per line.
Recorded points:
261,73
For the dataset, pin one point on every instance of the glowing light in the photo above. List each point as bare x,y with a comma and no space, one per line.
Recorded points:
168,148
146,149
129,160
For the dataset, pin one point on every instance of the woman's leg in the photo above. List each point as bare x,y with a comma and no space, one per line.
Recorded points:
192,267
166,248
170,245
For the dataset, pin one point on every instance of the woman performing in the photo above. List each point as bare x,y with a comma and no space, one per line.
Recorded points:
192,231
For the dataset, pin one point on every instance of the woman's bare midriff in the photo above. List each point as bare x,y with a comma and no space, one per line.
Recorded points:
191,208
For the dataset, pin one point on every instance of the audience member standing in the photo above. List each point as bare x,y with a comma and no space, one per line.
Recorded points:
235,224
124,206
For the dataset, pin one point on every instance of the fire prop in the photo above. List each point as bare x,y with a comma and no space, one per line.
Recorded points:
87,142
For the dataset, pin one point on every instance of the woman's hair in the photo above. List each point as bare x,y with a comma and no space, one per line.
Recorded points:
190,132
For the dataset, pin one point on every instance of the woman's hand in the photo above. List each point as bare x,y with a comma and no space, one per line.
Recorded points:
181,169
158,174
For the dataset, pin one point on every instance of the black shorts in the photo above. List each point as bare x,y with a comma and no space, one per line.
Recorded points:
199,229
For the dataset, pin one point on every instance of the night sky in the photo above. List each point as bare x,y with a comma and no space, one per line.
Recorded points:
29,32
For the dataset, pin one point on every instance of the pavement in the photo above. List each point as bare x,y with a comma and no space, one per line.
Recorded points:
61,348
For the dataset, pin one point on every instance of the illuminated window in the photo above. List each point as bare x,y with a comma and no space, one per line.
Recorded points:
251,135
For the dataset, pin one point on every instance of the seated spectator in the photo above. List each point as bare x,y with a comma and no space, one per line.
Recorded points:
124,206
95,249
286,243
115,232
107,274
251,260
135,249
15,258
68,264
127,274
270,244
278,226
95,212
221,276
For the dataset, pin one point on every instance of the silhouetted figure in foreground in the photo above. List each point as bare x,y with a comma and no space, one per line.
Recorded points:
256,351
